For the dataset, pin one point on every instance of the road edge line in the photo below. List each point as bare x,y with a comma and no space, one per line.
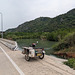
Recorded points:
13,63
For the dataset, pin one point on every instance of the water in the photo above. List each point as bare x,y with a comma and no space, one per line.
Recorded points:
47,45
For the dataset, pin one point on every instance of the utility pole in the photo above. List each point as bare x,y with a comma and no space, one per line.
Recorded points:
1,24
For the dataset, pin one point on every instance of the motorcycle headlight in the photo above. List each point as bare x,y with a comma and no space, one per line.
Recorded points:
44,52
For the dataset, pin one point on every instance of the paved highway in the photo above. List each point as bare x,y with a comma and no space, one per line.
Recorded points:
14,63
6,67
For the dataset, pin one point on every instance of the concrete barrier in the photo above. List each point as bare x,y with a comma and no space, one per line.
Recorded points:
9,43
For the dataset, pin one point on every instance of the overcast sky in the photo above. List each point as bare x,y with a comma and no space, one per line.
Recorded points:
16,12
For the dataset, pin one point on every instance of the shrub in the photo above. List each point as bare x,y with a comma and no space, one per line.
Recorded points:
68,41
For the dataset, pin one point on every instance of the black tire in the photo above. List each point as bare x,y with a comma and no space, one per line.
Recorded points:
27,58
42,56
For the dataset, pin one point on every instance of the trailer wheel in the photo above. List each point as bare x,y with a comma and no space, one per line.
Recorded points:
27,58
42,56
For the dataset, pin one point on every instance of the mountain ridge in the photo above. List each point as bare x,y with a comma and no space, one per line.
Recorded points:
47,24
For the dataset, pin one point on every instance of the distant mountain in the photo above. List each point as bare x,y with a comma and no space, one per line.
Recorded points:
46,24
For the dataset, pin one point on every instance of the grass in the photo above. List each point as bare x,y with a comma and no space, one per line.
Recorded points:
71,63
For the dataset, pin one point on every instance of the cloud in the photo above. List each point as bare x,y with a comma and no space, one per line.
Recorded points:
16,12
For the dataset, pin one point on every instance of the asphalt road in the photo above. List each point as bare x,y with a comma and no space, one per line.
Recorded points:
48,66
6,67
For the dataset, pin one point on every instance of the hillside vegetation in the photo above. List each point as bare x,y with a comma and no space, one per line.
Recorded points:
53,29
57,35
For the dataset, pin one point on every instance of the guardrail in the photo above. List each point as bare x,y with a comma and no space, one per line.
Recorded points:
9,43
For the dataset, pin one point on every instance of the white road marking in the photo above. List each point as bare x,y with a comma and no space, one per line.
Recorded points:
14,64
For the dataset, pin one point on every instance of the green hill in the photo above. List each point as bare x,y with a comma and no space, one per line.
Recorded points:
46,24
